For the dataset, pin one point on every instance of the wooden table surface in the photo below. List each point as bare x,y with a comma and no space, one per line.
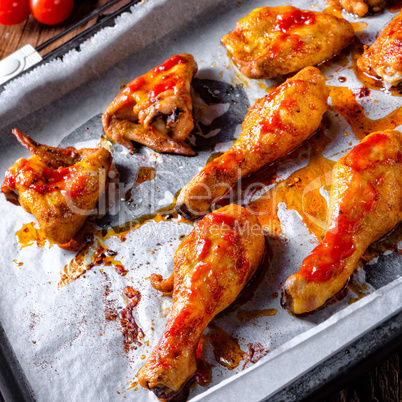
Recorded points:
384,382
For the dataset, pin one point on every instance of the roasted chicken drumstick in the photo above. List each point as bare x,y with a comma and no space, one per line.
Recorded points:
155,109
383,59
273,127
211,266
60,187
272,41
365,204
360,7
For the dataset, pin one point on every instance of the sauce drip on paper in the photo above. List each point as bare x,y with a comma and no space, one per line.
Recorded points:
94,253
256,351
345,103
131,331
247,315
86,258
144,174
28,235
226,349
203,375
300,192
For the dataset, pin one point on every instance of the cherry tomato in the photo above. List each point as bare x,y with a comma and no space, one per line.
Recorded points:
13,11
51,12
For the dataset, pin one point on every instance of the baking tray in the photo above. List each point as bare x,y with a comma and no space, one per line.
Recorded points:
360,344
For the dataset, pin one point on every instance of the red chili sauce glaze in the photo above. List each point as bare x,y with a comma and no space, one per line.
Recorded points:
287,103
326,258
275,49
44,180
136,84
174,329
167,82
220,219
369,152
169,64
202,246
231,236
293,19
274,122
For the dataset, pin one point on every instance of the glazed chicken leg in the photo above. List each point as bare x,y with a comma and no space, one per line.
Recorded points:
60,187
211,267
365,204
273,127
272,41
383,59
155,109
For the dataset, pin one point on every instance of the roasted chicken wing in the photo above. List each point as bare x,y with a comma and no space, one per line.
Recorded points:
155,109
60,187
383,59
365,204
273,127
211,266
272,41
359,7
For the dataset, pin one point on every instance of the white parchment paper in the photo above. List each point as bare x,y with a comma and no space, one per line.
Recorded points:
66,347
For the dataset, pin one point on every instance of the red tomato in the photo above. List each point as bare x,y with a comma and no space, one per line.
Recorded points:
13,11
51,12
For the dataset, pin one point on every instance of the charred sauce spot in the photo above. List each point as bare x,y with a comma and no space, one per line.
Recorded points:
109,310
256,351
363,92
105,257
131,331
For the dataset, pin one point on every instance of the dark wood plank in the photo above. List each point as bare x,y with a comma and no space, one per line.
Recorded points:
383,383
33,33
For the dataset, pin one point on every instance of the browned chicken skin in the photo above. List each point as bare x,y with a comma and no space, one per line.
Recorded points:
383,59
155,109
365,204
60,187
272,41
359,7
272,128
211,266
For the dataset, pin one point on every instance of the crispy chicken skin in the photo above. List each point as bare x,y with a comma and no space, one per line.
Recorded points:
359,7
273,127
155,109
365,204
211,266
60,187
383,59
272,41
